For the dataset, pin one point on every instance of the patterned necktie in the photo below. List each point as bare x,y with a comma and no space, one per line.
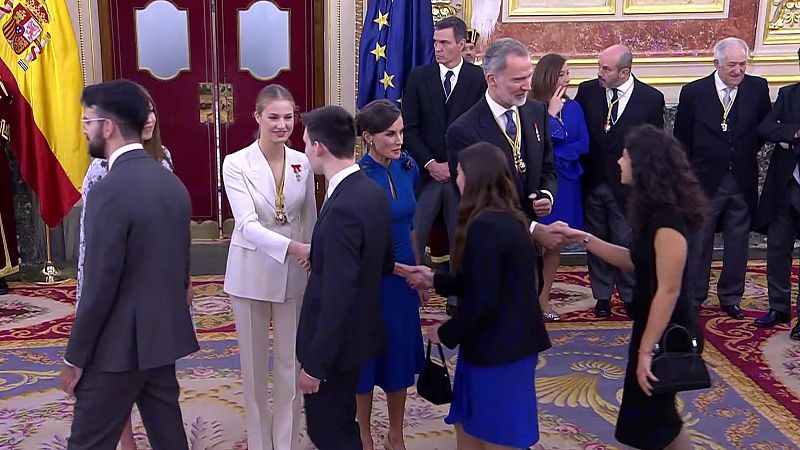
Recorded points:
511,127
448,87
614,104
726,97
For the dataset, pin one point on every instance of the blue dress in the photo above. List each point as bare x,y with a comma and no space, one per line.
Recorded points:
570,141
404,356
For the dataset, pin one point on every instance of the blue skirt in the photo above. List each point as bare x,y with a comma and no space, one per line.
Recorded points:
404,357
496,404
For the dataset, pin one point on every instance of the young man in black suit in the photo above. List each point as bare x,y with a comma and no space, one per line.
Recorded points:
717,122
435,95
779,208
612,103
133,321
341,324
519,126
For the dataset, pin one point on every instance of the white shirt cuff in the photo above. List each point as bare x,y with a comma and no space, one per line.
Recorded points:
426,164
533,225
549,194
70,364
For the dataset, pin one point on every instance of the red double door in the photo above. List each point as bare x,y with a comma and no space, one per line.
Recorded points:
185,51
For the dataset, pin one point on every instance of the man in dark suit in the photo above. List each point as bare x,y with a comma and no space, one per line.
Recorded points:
133,321
517,125
341,326
717,122
779,208
435,95
612,103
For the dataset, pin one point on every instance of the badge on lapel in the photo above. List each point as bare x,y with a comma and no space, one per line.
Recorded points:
297,168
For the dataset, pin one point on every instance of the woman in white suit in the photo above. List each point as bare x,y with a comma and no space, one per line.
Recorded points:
270,188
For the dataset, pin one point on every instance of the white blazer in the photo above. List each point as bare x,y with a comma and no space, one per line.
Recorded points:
258,267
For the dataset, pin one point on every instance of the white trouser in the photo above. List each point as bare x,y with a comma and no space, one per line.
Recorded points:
279,427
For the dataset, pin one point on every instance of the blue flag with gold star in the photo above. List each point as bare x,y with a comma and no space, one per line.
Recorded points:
397,36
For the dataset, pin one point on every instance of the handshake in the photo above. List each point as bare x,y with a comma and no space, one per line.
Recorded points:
556,234
418,277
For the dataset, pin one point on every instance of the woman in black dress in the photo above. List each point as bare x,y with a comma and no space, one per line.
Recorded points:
666,205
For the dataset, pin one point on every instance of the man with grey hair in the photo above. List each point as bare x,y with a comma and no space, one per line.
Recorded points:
612,103
519,126
717,122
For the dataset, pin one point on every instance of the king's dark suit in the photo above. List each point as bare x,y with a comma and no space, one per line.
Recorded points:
778,213
725,162
605,203
133,321
341,324
479,125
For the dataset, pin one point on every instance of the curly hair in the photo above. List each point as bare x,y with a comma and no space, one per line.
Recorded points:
662,179
487,187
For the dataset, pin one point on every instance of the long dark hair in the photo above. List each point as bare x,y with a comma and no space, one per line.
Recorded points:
487,187
153,146
545,77
662,179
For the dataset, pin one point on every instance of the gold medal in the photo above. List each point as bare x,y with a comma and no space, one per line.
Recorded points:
280,216
607,128
724,126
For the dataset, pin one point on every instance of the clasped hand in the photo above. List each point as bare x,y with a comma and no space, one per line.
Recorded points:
418,277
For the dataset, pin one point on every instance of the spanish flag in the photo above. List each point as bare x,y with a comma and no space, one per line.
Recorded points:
40,67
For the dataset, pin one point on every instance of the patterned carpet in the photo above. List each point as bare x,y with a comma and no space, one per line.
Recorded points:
754,402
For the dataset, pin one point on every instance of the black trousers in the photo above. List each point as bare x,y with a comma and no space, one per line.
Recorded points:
331,413
606,220
729,207
104,401
780,242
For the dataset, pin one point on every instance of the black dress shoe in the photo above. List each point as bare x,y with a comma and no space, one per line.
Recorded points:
3,286
733,311
771,318
602,308
795,333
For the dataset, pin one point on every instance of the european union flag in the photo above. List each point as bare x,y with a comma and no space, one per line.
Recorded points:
397,36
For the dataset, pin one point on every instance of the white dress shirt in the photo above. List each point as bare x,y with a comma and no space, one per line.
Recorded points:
122,150
338,177
499,113
453,79
721,86
624,92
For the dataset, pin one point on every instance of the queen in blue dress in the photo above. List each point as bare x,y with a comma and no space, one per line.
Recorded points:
381,126
570,141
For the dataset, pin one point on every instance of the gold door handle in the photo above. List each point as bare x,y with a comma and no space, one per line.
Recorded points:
205,93
226,103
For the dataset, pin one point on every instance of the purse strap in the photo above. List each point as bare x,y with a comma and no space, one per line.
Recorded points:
441,355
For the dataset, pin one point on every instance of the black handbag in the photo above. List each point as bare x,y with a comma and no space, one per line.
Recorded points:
434,381
678,370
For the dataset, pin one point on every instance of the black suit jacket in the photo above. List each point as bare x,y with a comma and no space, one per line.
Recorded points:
426,115
779,126
712,152
499,320
479,125
646,105
133,313
341,322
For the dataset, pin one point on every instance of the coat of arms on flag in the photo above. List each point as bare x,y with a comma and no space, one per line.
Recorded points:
23,28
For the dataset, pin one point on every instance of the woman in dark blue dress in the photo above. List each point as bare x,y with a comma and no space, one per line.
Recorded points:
385,162
570,141
499,325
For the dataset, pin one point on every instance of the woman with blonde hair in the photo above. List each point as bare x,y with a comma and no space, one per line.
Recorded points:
270,188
